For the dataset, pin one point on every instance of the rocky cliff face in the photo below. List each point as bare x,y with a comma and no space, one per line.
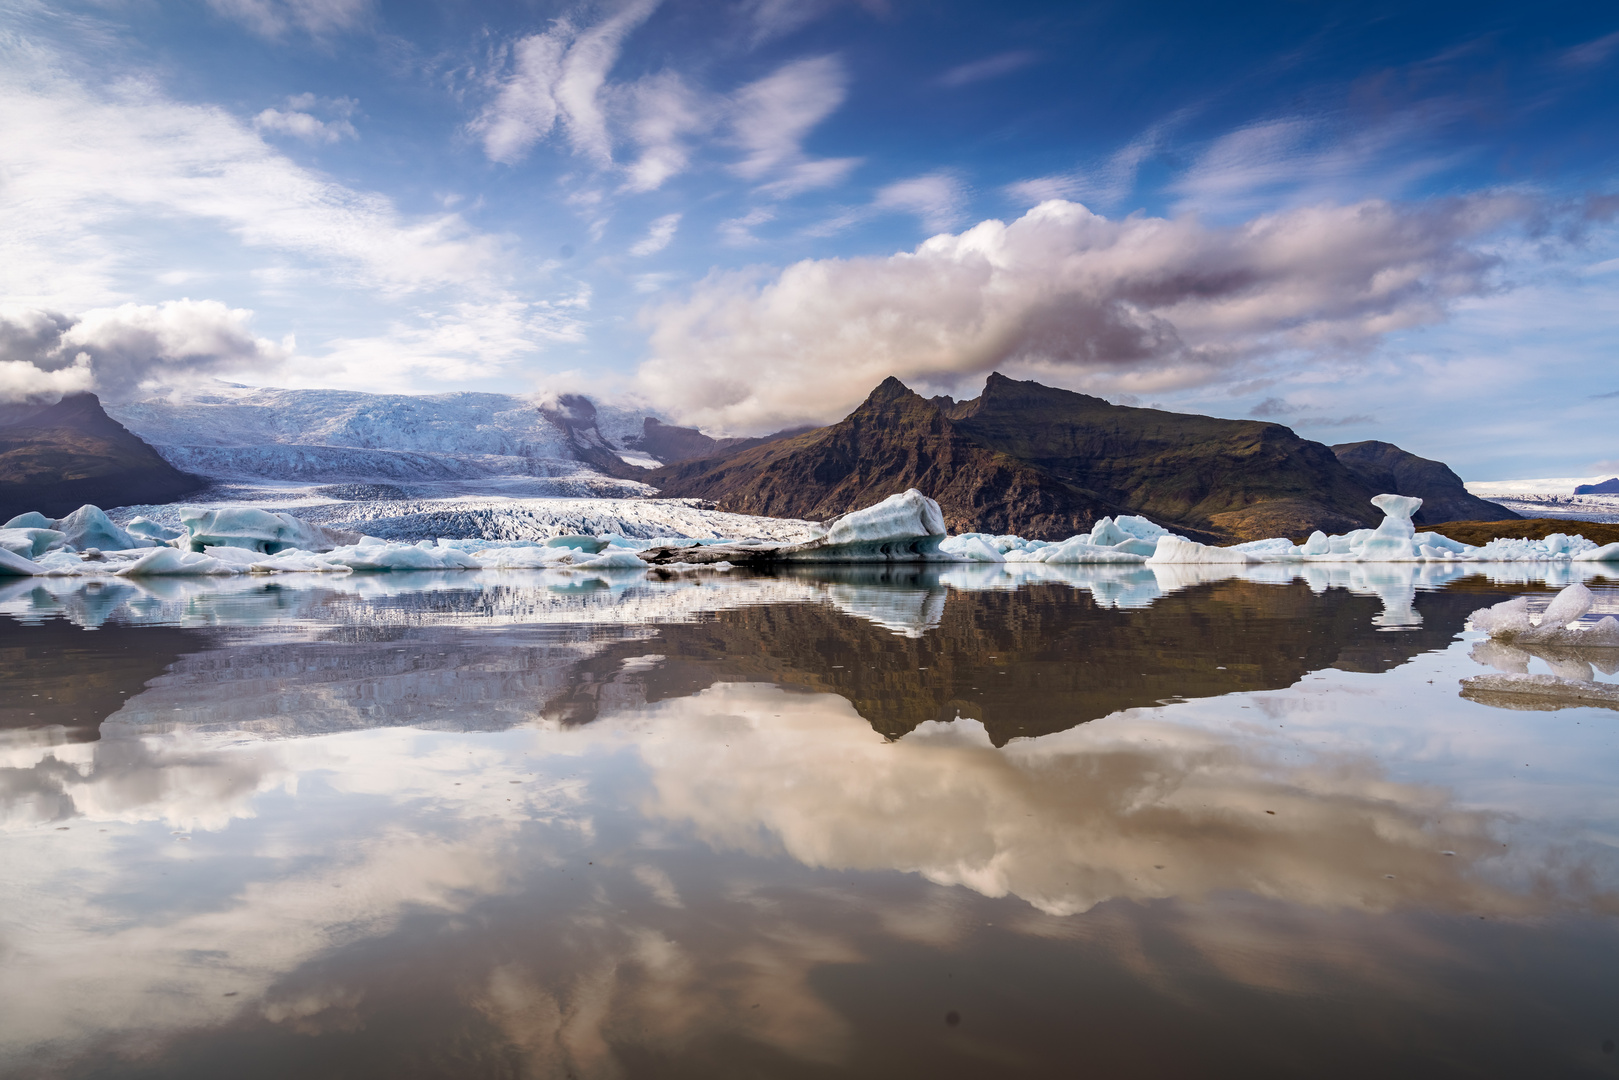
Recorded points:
1386,467
1044,463
57,458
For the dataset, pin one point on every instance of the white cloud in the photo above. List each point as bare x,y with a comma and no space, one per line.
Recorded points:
299,119
1139,304
273,18
658,236
302,125
738,231
84,167
665,110
771,117
935,198
559,76
117,350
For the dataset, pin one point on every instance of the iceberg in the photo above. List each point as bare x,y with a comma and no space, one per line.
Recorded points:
31,542
257,530
1510,622
88,527
170,561
31,520
1172,550
14,565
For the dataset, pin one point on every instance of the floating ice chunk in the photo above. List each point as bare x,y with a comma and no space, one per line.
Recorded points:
31,542
152,530
1105,534
14,565
88,527
1568,606
902,527
1317,544
1506,619
1510,622
172,561
589,544
1605,553
1539,692
612,560
1175,550
1078,551
1139,527
971,548
386,556
524,558
31,520
910,515
1394,539
256,530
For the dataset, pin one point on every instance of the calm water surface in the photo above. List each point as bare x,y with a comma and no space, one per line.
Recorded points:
960,824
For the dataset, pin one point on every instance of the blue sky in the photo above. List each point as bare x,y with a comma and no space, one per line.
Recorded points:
1386,221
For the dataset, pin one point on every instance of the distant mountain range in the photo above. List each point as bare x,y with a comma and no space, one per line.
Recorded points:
1045,463
56,458
1021,458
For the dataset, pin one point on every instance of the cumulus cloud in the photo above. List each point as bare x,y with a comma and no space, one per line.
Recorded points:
117,350
658,236
1142,304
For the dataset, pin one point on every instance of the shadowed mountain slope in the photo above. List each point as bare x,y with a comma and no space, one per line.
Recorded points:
1386,467
895,440
1041,462
60,457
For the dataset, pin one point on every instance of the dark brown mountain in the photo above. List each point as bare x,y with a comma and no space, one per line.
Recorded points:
1043,463
670,444
895,440
1386,467
59,457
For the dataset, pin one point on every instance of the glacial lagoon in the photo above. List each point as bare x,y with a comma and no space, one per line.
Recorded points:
944,821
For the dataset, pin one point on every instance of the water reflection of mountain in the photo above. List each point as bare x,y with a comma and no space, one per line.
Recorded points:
904,647
57,673
1031,661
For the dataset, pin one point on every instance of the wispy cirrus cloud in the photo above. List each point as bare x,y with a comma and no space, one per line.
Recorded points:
658,236
771,117
990,67
274,18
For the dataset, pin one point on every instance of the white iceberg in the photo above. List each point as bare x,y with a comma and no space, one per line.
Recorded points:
1510,621
256,530
31,542
14,565
1173,550
88,527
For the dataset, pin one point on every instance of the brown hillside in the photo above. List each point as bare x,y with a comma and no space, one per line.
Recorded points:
72,453
1482,532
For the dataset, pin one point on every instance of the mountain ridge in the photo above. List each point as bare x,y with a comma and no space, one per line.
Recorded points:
1045,463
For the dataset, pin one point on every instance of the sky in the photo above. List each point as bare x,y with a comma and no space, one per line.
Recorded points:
1364,220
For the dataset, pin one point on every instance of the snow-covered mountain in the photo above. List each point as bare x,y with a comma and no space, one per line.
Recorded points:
236,433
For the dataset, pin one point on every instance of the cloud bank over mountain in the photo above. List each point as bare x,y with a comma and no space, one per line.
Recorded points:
114,351
1138,304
